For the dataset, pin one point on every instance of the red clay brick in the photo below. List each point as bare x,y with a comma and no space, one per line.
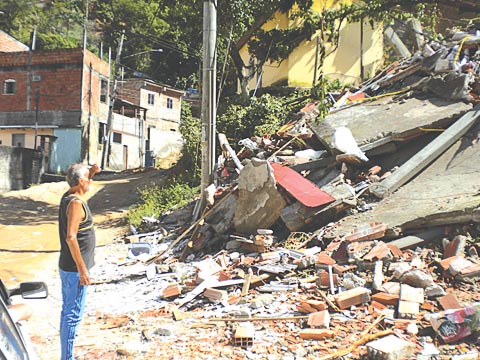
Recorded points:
352,297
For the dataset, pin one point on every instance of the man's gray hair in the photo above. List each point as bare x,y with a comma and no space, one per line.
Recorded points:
75,172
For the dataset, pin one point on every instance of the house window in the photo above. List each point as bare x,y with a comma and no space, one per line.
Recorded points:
103,91
169,103
117,138
9,87
18,140
151,99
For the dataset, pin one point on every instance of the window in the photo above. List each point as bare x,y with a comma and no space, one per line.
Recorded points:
9,87
151,99
117,138
169,103
18,140
103,91
101,133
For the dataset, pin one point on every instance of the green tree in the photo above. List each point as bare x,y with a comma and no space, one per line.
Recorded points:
57,24
188,168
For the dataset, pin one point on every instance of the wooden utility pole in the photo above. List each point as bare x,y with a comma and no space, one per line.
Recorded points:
208,94
106,146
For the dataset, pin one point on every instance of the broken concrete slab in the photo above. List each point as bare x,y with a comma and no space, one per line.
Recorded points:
383,117
446,192
259,202
429,153
420,238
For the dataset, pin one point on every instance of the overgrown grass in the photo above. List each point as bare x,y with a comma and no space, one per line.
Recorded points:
156,199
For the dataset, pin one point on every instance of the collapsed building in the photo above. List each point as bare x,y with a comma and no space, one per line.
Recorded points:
360,231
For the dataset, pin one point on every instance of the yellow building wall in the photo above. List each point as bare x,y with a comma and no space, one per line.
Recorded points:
343,64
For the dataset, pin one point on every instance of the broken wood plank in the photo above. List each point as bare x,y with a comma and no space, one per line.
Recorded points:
316,334
432,151
401,74
186,232
365,337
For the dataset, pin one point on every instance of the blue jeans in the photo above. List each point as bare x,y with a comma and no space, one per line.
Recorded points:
73,296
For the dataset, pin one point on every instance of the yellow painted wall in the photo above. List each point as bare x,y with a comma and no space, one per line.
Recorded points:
343,64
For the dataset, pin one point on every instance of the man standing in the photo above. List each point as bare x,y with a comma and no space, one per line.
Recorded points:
77,246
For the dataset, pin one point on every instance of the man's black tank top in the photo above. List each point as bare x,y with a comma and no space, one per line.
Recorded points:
85,236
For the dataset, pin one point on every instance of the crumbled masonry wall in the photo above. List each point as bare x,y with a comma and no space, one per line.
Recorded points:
259,203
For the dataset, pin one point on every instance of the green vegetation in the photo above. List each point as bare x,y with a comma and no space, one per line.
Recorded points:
156,199
262,115
173,26
188,169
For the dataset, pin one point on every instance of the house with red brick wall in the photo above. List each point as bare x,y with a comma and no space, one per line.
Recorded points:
54,100
163,105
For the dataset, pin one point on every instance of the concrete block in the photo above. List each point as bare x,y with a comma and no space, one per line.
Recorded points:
390,348
408,309
417,278
409,293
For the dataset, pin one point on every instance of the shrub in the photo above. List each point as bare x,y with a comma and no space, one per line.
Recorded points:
188,169
156,199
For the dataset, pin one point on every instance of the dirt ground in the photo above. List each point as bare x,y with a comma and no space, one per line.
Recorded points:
29,242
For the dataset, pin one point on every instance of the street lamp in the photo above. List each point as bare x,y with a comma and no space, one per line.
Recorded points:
143,52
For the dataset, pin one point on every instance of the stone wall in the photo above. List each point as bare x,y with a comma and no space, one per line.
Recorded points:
19,168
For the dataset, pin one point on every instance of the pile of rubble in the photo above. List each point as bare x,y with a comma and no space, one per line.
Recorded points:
356,236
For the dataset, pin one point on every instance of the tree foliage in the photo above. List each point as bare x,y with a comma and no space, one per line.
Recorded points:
188,169
57,24
262,115
176,28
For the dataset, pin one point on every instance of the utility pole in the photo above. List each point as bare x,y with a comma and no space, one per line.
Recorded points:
37,99
106,146
209,94
85,26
